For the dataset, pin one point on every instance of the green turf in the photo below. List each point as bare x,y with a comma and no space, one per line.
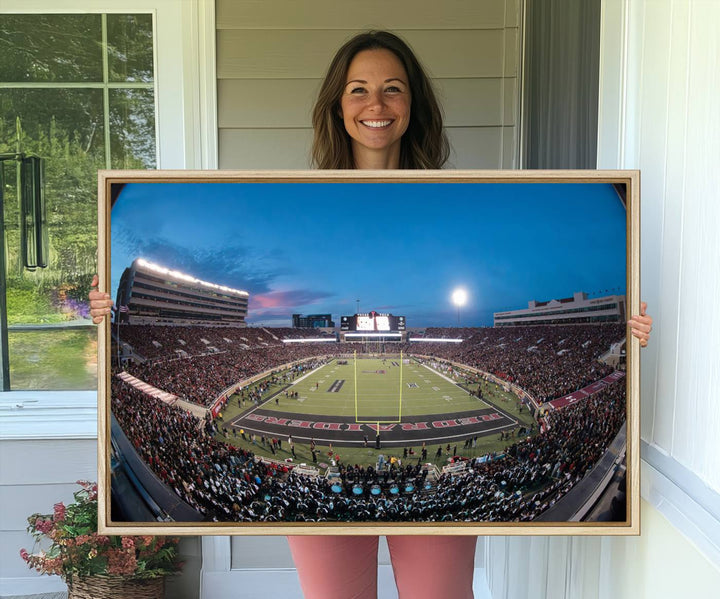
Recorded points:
460,401
373,390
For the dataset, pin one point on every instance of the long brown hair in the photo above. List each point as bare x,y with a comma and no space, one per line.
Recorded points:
424,144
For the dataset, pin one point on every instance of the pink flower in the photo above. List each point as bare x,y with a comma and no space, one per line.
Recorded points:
59,512
24,555
44,526
121,562
128,543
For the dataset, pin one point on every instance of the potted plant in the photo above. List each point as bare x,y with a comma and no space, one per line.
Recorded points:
95,566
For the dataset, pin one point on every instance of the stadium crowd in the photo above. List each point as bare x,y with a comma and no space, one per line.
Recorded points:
225,483
546,361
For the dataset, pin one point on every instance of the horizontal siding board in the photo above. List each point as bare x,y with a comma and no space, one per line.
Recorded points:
471,102
273,103
254,54
260,103
11,564
19,501
471,147
475,147
512,13
369,14
22,462
265,148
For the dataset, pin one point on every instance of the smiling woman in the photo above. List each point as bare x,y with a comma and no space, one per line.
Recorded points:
375,108
371,84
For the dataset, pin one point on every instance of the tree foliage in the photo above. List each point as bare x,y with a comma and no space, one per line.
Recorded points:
66,127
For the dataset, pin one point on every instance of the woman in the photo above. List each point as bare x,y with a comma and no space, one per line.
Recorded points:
377,110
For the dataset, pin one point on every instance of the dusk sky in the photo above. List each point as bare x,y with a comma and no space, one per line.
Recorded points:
316,248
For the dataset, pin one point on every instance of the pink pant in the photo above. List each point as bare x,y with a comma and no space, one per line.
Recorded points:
425,567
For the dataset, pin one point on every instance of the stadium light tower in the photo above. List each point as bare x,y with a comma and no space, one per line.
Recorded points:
459,298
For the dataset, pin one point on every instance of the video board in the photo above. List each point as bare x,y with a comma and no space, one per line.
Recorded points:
372,321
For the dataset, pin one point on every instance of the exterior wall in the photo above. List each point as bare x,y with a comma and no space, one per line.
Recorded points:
271,57
35,475
660,65
660,563
46,445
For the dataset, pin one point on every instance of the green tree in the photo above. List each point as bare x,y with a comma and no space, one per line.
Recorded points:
66,127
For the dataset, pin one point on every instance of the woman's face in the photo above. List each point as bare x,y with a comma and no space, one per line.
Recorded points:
375,104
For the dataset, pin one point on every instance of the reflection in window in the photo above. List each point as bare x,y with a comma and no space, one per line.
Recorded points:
78,91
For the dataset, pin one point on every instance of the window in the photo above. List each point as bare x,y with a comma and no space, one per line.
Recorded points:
77,90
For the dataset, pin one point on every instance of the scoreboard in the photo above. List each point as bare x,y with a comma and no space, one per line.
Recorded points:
372,321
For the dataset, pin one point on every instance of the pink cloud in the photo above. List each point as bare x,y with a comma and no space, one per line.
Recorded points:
292,298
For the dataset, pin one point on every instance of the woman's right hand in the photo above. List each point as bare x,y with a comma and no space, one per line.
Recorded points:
100,303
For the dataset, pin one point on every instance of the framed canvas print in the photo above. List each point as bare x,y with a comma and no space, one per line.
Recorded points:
395,352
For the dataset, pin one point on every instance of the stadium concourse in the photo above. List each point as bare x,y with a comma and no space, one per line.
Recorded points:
222,482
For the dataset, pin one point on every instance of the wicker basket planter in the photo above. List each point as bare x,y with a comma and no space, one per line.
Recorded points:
116,587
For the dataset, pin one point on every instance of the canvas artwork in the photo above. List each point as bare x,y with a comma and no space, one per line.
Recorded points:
324,353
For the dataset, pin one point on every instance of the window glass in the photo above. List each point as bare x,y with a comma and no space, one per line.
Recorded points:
132,128
130,47
56,101
37,48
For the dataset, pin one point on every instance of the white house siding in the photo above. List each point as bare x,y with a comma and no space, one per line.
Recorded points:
271,57
659,85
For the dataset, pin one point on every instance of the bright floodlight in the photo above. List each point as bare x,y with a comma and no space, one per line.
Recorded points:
459,297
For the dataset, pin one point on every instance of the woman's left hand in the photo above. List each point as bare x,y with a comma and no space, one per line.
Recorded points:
641,325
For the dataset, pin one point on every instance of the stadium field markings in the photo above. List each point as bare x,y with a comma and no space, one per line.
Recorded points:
436,388
467,430
419,401
386,443
441,375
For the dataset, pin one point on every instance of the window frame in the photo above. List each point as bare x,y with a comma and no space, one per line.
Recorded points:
186,138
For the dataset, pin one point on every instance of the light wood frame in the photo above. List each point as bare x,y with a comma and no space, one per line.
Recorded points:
631,526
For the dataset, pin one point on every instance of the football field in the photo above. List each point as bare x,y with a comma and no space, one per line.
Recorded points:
370,390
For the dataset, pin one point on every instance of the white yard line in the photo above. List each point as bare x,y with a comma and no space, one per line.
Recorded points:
441,375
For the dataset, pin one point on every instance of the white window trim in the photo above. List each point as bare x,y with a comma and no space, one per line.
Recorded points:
48,415
185,79
683,498
186,126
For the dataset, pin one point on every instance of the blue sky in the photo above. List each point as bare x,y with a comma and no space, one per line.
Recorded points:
397,247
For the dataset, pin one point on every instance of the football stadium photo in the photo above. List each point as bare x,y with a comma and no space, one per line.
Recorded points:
367,353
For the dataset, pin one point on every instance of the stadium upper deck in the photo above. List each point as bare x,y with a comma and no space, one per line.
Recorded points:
570,310
156,295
